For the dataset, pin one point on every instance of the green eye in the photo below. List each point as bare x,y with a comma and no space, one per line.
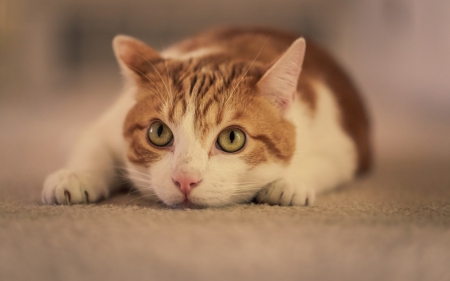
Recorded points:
159,134
231,140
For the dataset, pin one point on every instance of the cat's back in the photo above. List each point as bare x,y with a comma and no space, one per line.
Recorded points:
265,45
262,44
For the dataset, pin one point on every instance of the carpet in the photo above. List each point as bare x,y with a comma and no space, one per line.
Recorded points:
393,224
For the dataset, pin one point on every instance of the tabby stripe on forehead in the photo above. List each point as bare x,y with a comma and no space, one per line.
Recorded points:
216,98
232,75
178,85
226,83
219,116
206,107
170,116
184,74
202,83
184,104
193,82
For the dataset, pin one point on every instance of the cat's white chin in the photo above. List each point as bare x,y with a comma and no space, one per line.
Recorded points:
203,199
199,200
186,204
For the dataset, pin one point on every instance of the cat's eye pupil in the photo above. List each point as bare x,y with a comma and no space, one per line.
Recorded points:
231,140
159,134
160,130
232,136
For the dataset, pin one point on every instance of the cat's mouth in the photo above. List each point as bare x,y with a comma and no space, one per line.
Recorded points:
186,204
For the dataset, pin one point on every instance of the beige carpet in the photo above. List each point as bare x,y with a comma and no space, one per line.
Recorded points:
392,225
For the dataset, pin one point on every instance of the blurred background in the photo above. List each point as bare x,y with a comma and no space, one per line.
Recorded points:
58,72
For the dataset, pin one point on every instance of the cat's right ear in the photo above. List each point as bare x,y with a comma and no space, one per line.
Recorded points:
134,57
279,83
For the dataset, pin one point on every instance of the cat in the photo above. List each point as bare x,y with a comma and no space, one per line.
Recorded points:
225,117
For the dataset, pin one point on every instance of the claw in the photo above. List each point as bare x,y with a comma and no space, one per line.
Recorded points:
86,197
67,195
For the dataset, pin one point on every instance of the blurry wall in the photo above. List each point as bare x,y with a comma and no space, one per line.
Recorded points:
397,50
56,41
401,44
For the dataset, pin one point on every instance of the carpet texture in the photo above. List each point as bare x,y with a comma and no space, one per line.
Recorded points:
393,224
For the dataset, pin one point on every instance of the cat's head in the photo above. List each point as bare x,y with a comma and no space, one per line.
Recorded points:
211,130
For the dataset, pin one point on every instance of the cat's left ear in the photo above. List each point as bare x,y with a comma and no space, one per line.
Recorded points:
134,57
279,83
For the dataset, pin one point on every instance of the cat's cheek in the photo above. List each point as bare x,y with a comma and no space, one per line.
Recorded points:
225,183
160,181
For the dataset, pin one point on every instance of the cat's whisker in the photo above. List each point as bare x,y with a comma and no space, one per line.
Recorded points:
136,180
140,189
122,182
249,183
233,203
263,198
146,187
248,69
157,71
245,200
130,193
156,202
151,93
140,183
245,189
148,78
140,197
248,186
128,169
138,173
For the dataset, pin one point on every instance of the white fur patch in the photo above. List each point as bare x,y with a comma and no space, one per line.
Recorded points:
325,155
177,54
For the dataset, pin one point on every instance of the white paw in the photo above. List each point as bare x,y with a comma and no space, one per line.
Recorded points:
282,193
67,187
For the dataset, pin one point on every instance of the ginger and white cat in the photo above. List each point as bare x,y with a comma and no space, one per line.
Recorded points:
228,116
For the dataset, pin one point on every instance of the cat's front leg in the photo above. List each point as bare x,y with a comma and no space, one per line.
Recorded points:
88,177
91,170
73,187
287,192
312,175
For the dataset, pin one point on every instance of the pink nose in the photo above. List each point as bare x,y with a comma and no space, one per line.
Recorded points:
186,183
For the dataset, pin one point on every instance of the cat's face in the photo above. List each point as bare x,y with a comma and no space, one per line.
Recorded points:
202,133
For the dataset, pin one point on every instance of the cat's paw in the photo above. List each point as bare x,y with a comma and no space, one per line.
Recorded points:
67,187
283,193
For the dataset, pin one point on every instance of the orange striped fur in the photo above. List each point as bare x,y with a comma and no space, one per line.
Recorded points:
222,91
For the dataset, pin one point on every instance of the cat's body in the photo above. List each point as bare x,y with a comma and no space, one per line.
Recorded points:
229,89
